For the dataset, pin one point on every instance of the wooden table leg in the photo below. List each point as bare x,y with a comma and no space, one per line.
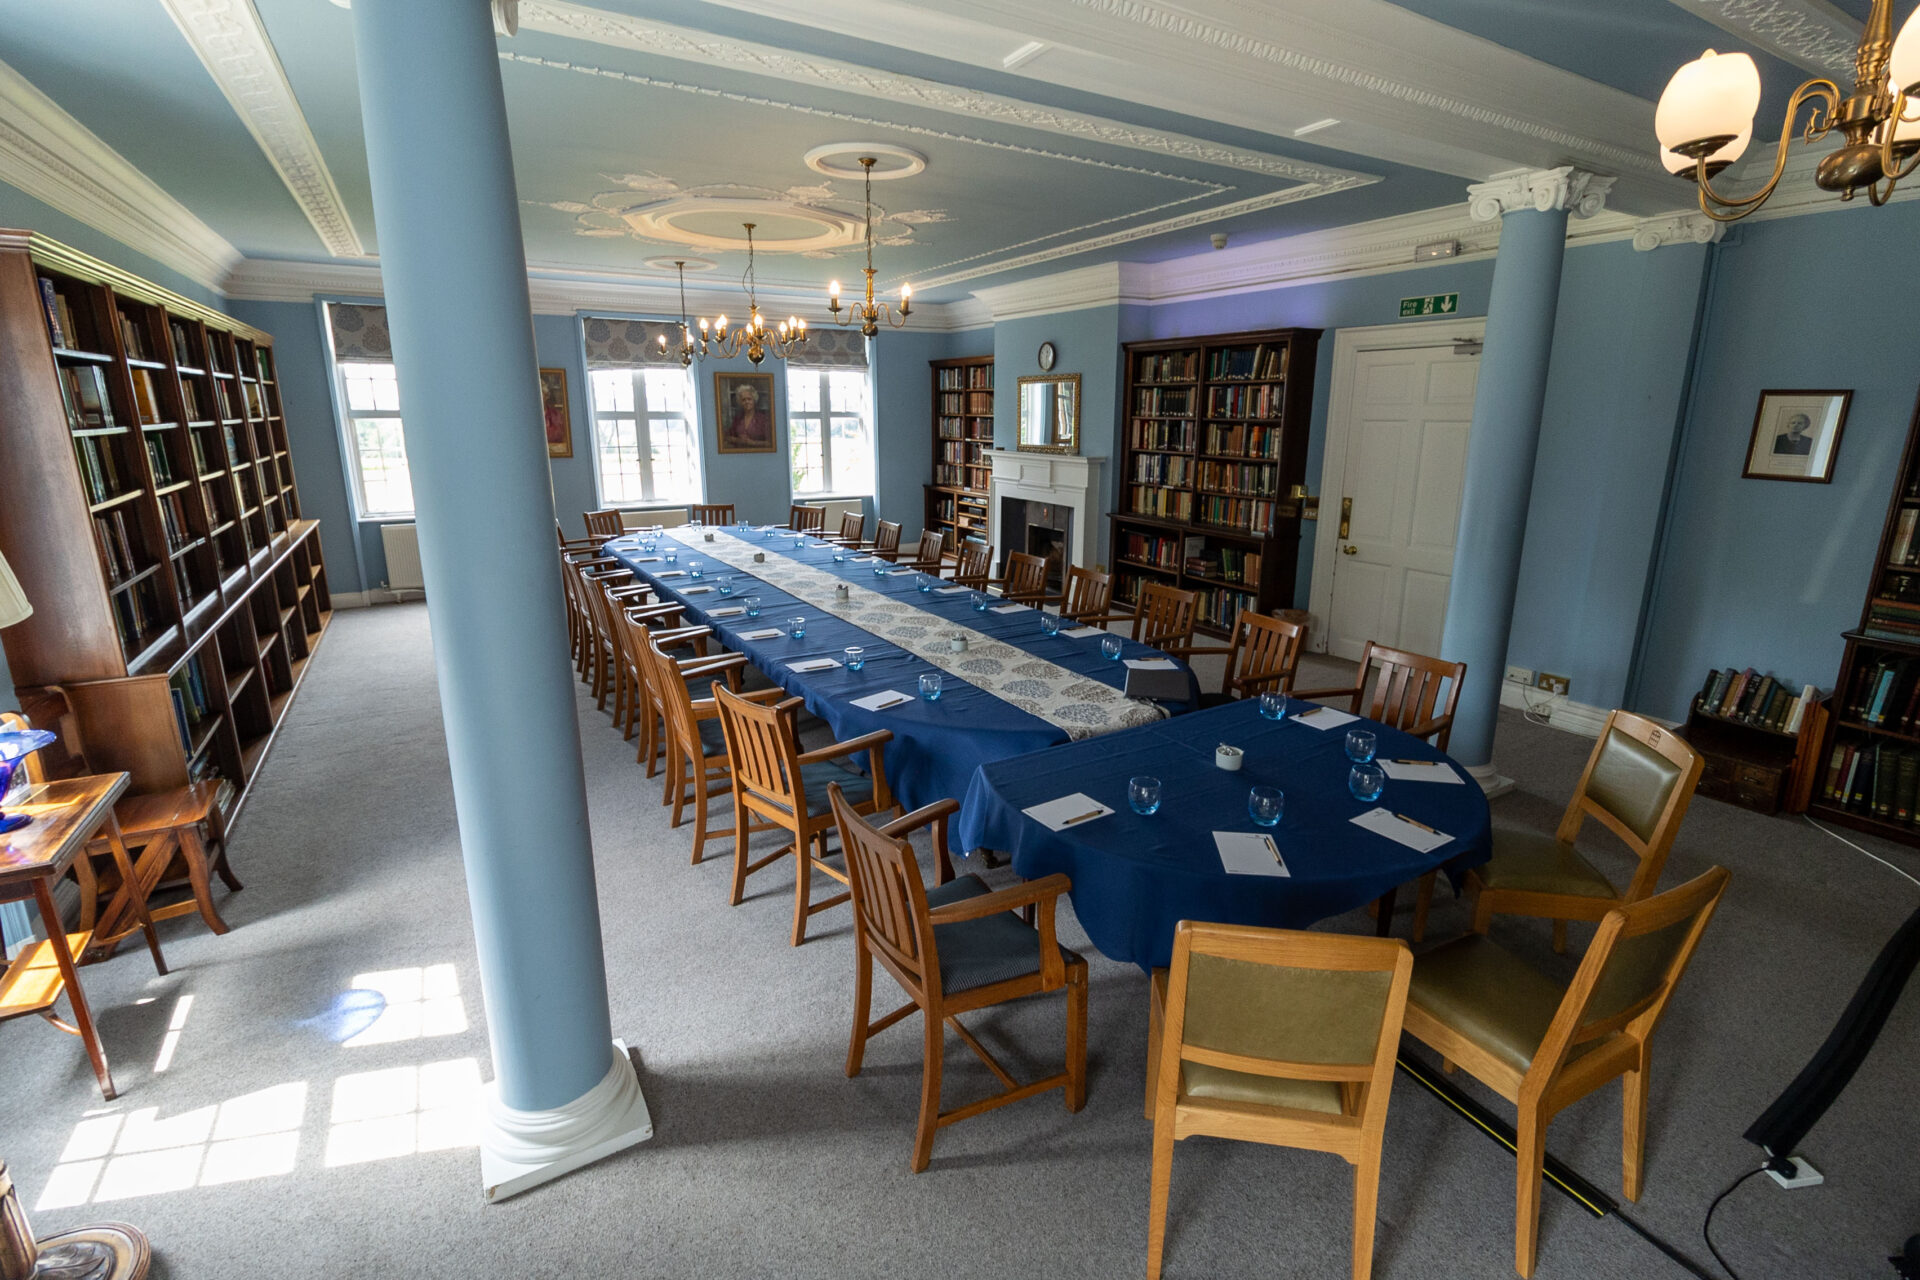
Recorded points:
82,1016
1383,927
134,890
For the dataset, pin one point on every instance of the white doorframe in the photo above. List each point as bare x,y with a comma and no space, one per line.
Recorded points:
1347,346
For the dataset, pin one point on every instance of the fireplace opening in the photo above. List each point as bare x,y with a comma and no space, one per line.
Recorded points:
1048,533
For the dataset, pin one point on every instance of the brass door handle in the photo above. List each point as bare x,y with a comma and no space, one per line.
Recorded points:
1346,517
1349,550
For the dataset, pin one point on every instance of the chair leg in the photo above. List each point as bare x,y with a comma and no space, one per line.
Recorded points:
193,852
1366,1211
862,1006
740,852
1633,1129
1423,904
1529,1157
1076,1036
1157,1194
1156,1021
677,788
701,803
932,1062
1482,912
803,856
224,870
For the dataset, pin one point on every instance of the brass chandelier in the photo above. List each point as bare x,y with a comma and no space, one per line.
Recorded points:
1705,119
755,337
688,348
869,313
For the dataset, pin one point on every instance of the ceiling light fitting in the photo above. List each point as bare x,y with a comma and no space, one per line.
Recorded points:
755,338
868,314
1705,119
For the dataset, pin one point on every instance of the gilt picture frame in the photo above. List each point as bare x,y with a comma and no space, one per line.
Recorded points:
557,420
1796,436
743,413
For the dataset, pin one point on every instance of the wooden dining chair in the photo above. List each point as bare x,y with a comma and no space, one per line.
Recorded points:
584,574
711,513
802,518
698,668
635,711
1026,579
1543,1044
698,769
785,788
1638,782
603,524
1280,1037
1263,655
972,564
599,588
886,540
929,556
1163,617
853,530
1086,597
954,948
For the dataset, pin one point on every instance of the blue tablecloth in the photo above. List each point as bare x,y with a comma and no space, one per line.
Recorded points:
1135,877
936,745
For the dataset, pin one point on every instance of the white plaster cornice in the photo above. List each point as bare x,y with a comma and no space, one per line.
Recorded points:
1102,285
232,42
1680,228
57,160
1542,190
1810,34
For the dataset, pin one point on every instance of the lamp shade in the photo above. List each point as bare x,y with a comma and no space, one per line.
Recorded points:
1905,125
14,606
1905,61
1681,167
1714,96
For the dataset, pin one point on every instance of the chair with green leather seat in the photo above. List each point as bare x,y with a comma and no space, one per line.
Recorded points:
1638,783
1543,1045
1280,1037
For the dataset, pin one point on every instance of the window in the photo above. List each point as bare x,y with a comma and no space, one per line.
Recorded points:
645,436
830,430
382,483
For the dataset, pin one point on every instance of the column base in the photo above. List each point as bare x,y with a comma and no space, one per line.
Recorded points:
1491,780
519,1150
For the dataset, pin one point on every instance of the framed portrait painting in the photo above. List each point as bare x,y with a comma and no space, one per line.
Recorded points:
553,409
743,409
1796,435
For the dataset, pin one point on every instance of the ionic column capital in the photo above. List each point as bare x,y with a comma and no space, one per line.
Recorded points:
1542,190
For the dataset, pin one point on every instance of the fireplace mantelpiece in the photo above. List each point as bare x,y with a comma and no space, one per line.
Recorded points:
1065,480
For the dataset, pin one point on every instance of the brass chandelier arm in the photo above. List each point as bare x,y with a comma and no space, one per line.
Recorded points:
1890,157
1716,206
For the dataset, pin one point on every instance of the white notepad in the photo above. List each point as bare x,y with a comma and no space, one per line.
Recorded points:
1420,771
894,573
1083,633
1249,853
1008,608
865,559
765,633
1153,664
948,591
1325,718
1067,811
812,664
696,591
1415,835
882,700
649,559
731,611
672,573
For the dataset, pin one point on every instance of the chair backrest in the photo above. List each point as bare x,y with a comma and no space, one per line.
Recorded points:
853,526
886,538
889,897
932,543
1264,654
1288,1004
801,517
763,748
1164,615
1631,969
674,699
973,564
1026,578
603,524
1638,782
711,512
1406,691
1087,594
48,707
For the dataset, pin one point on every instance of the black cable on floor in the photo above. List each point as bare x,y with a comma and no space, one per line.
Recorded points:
1706,1225
1668,1249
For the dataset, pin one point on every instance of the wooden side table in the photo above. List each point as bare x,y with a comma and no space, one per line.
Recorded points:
66,815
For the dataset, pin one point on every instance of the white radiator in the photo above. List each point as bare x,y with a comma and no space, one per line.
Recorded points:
665,517
837,507
402,545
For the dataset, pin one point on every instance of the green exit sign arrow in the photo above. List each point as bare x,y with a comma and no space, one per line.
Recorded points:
1434,304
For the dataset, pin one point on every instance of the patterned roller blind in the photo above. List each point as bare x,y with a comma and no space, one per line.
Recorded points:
625,344
359,331
832,349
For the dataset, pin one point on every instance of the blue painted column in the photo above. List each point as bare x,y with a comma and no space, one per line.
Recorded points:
456,291
1533,208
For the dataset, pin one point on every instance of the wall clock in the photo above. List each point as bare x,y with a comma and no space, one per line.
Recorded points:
1046,357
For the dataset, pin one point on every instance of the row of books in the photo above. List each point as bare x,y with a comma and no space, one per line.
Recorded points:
956,429
960,511
202,459
1162,468
133,338
1246,402
1893,620
173,518
161,459
1885,694
99,467
1906,548
114,540
1752,698
1262,361
146,396
60,322
136,613
973,403
1228,564
1168,504
951,475
1877,779
976,376
1902,587
1256,479
1243,439
191,705
1166,366
1219,606
967,451
1154,402
1150,433
1253,515
84,388
1162,550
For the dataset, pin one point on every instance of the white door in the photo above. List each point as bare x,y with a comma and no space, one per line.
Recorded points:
1407,417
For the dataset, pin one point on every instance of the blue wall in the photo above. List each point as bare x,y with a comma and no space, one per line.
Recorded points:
18,209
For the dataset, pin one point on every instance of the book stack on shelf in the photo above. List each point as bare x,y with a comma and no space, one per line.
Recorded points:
1759,737
1872,744
1213,467
956,501
149,507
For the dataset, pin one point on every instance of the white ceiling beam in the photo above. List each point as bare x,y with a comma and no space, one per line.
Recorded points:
1810,34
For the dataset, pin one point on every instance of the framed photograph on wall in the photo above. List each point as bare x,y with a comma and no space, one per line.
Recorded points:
743,409
1796,435
553,408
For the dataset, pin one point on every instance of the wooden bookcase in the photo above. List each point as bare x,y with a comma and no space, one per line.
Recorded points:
1213,460
1871,751
962,434
1755,764
148,506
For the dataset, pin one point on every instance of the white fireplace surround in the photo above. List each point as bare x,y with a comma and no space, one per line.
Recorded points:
1064,480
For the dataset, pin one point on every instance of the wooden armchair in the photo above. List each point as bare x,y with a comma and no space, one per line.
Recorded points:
853,530
710,513
886,540
1162,617
1281,1037
603,524
953,948
972,564
1026,579
697,765
802,518
1638,782
1086,597
1264,654
1543,1045
929,556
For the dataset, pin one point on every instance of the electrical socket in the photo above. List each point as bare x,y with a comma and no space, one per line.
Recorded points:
1551,683
1519,675
1803,1175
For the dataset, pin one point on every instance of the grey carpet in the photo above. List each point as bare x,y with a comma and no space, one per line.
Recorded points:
768,1161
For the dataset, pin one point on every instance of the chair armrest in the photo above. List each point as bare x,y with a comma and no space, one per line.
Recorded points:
621,593
1325,693
1101,620
1043,893
654,612
936,815
683,633
852,746
1191,650
704,666
1428,728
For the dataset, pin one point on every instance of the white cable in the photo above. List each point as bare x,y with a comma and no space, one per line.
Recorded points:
1851,845
1540,713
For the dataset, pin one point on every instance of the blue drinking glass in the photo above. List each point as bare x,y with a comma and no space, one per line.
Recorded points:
1366,782
725,583
797,627
856,657
1273,705
1111,647
980,601
753,605
927,583
1143,795
930,686
694,570
672,556
1265,805
1049,623
1361,746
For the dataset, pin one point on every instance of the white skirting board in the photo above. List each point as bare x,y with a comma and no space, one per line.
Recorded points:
1561,712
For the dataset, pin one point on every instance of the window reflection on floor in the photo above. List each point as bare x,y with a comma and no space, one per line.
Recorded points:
421,1001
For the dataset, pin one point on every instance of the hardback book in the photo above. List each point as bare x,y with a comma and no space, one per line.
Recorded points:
51,300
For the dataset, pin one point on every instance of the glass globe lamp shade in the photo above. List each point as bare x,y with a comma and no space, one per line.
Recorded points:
1904,64
1714,96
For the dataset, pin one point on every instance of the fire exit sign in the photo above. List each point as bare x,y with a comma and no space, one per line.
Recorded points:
1434,304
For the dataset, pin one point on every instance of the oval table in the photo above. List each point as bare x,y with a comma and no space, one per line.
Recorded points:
1135,877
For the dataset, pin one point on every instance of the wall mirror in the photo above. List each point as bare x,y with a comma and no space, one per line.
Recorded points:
1050,414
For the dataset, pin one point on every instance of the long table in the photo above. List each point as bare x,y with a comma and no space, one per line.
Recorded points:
1050,689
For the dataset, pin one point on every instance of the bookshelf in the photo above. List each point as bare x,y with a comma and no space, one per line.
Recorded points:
962,434
1869,763
1760,739
1213,469
148,506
